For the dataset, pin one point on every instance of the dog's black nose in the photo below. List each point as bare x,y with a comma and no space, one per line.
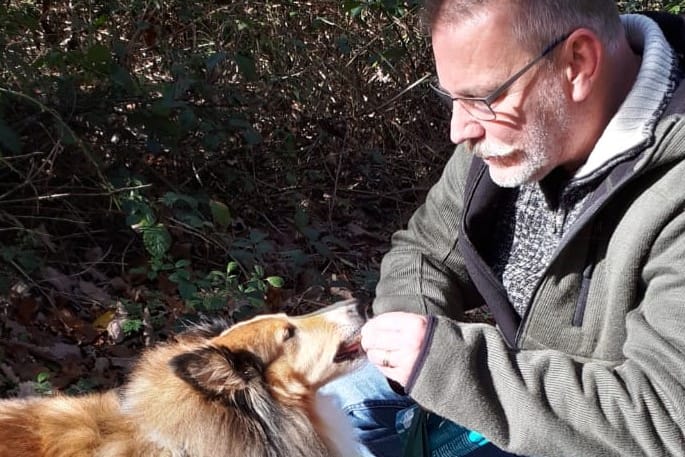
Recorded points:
364,309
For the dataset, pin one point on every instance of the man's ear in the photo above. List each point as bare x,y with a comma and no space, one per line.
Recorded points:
583,54
217,372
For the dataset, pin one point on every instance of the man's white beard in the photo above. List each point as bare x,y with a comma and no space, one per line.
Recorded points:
541,146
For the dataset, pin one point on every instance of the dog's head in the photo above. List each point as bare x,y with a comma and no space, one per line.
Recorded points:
288,357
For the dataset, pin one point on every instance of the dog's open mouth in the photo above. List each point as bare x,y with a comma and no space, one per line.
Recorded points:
349,350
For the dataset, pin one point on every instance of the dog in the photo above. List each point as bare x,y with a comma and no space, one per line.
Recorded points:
247,390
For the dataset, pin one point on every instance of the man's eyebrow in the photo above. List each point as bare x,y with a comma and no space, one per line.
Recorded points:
477,91
480,90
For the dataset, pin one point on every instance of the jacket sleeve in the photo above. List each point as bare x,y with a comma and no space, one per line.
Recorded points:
424,272
544,402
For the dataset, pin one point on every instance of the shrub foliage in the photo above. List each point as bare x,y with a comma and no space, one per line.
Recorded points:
141,133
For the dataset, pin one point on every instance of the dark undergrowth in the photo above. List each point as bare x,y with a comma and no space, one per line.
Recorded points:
161,161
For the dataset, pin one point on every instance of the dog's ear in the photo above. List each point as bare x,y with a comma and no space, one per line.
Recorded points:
217,372
207,328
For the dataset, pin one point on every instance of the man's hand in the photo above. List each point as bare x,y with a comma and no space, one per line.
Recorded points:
393,341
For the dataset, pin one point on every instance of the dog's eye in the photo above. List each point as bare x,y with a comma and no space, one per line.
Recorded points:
289,332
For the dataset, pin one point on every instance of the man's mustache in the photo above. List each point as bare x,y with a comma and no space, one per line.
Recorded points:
485,150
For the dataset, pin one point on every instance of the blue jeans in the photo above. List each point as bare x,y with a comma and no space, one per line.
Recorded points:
373,407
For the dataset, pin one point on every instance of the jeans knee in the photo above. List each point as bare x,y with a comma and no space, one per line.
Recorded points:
371,407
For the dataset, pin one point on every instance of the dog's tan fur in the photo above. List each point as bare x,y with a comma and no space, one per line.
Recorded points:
247,390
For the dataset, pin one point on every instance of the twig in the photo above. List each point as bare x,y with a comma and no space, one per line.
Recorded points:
9,373
338,169
36,351
32,282
148,329
23,156
268,221
89,265
193,231
399,95
76,194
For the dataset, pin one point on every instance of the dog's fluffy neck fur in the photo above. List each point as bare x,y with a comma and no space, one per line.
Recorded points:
267,428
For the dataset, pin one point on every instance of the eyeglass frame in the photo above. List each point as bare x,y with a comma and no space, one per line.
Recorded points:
487,101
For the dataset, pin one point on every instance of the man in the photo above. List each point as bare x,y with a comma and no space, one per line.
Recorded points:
562,210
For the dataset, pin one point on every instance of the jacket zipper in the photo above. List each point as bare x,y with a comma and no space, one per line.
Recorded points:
581,302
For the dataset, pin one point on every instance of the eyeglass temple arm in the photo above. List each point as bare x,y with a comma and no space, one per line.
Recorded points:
495,95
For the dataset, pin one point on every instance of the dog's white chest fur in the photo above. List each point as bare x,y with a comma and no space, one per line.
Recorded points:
337,430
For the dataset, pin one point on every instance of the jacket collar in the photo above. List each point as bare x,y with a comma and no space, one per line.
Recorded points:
632,127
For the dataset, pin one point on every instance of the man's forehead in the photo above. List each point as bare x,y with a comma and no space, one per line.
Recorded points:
476,54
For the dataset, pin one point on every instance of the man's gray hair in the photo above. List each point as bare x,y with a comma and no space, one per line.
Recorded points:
536,23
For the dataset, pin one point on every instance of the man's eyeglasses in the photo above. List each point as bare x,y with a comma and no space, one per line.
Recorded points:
480,108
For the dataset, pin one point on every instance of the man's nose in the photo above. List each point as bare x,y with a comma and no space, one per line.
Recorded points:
463,126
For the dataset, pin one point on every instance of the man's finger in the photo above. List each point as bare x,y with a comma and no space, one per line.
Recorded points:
375,339
382,358
392,322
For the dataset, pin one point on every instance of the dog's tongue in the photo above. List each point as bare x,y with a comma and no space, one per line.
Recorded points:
348,351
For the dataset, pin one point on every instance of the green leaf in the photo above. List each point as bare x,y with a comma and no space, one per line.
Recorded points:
123,79
98,56
239,123
29,261
138,213
186,289
343,44
301,218
8,252
232,267
257,236
246,65
179,276
355,9
191,219
255,298
296,256
214,302
322,249
311,233
157,240
264,247
275,281
132,326
221,215
187,119
83,385
9,139
100,21
214,60
138,271
182,263
252,137
171,199
212,141
242,243
27,258
4,285
66,135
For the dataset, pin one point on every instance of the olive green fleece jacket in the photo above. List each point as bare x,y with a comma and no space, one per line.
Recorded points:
596,366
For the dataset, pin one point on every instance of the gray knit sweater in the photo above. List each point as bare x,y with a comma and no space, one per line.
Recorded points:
533,224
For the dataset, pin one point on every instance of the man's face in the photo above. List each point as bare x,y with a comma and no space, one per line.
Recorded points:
526,140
